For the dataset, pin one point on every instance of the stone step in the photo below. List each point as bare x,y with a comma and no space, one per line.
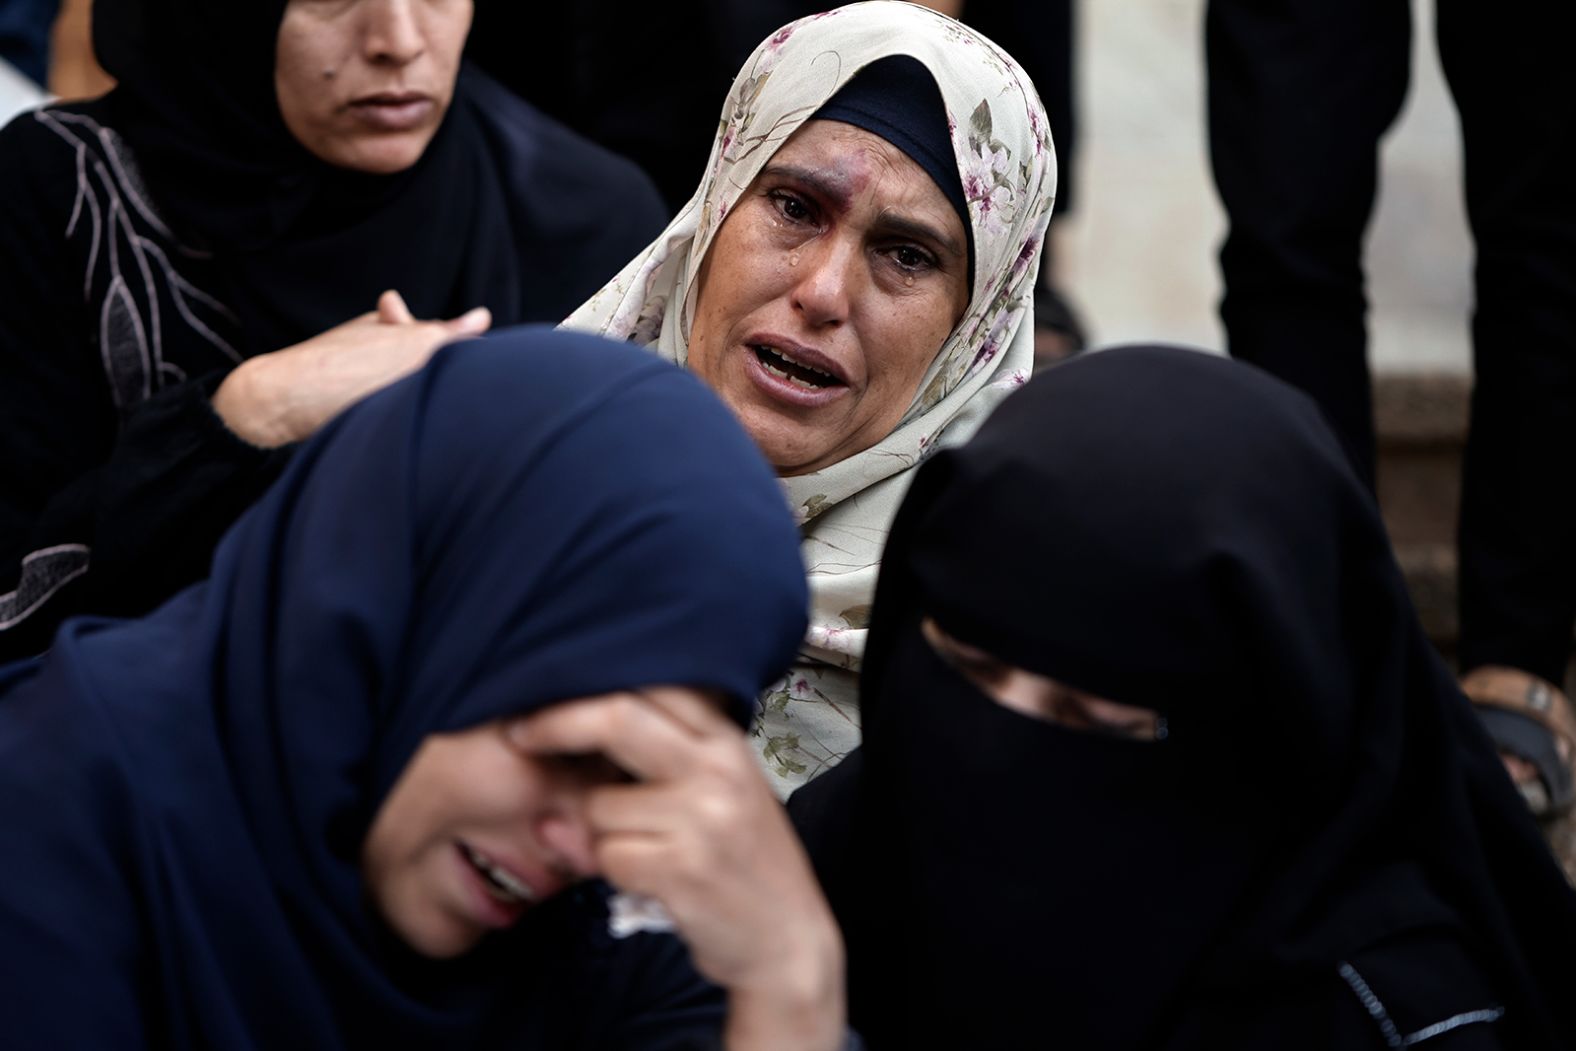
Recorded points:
1420,420
1421,423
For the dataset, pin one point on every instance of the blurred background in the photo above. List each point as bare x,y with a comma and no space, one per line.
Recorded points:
1138,252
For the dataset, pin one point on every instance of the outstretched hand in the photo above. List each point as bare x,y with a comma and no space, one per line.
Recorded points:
699,830
285,396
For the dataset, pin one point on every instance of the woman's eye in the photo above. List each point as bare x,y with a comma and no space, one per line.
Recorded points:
1116,720
983,670
790,207
908,257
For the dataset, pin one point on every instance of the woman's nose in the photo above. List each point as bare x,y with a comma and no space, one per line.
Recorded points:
393,32
561,824
826,280
568,840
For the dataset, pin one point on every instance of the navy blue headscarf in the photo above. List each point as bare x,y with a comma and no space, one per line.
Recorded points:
185,796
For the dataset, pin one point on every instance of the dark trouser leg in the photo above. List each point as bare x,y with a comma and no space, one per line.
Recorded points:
1300,92
1515,88
1041,35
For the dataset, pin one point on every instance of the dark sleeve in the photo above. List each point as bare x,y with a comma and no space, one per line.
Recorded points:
666,1004
670,1006
1421,987
73,967
1356,1028
1418,988
100,511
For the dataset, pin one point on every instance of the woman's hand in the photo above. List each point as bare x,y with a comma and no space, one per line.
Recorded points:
285,396
700,831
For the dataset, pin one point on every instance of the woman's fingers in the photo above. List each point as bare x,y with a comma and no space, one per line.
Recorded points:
699,831
638,864
473,322
629,730
701,713
664,808
392,309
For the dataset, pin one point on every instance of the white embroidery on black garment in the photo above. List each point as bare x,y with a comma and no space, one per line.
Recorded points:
130,326
1392,1036
44,572
128,268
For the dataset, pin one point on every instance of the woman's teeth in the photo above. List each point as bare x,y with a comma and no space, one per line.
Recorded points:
797,373
501,883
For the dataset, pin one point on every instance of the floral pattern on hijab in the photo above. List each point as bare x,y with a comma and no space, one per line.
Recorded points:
1001,139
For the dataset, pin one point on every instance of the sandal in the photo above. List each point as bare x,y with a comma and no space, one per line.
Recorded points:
1531,720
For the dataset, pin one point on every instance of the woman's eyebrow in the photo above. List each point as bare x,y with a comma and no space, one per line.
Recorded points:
835,187
893,225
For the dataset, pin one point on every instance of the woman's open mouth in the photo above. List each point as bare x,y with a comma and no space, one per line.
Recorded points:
794,374
799,375
501,885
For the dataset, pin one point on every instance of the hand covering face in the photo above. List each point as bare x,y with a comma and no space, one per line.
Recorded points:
1198,546
1008,169
186,796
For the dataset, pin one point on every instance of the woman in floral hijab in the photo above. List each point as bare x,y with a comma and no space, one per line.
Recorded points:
773,134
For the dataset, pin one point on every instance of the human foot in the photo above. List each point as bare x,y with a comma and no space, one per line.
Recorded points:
1534,727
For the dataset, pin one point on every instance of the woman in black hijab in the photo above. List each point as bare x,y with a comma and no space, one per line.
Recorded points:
1247,807
346,793
261,174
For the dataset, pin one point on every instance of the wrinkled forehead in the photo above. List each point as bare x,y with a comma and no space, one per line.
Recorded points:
848,166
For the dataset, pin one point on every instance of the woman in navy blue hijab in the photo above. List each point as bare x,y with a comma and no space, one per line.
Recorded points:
315,802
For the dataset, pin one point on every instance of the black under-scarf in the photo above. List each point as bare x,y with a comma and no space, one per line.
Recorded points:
1195,544
505,209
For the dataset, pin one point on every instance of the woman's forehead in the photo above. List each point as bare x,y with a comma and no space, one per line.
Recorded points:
842,162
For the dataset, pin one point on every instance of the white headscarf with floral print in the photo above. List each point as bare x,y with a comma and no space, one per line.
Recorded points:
1008,168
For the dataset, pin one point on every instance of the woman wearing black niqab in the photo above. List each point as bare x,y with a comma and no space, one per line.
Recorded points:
1314,846
157,237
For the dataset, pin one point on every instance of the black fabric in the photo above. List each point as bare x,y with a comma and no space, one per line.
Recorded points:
589,64
897,99
156,237
1300,94
1193,542
186,796
586,63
